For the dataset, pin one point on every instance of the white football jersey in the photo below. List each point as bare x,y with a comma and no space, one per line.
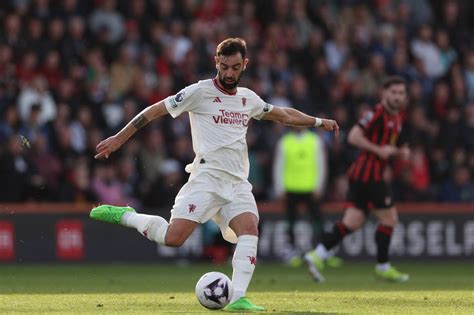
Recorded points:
219,122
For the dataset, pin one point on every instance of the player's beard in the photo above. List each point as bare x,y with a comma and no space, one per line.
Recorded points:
393,106
228,86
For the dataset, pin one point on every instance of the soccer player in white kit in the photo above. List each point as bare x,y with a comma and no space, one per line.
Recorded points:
217,189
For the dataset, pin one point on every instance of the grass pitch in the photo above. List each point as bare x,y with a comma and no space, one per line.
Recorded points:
434,288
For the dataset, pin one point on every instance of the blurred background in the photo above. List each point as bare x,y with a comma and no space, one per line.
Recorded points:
73,72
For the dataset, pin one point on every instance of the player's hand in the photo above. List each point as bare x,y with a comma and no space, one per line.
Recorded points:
107,146
330,125
404,152
387,151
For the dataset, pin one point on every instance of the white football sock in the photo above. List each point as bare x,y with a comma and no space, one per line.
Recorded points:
383,266
152,227
322,252
243,263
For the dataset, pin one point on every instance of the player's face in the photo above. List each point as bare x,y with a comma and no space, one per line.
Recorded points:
229,70
395,96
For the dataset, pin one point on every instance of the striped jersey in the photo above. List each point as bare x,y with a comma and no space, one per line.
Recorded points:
380,127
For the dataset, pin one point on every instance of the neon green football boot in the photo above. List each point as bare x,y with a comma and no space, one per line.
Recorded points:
392,274
295,261
315,265
110,214
334,262
243,305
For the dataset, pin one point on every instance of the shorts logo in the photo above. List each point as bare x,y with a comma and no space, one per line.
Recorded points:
266,108
173,103
191,208
179,97
388,200
253,260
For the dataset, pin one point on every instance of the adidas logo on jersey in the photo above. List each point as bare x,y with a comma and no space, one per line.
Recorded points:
217,100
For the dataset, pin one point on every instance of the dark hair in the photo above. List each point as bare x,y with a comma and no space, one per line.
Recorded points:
231,46
391,80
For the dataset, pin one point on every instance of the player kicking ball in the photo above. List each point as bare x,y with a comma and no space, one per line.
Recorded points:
375,135
217,189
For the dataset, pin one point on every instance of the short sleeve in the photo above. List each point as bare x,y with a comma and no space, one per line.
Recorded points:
184,101
261,108
367,120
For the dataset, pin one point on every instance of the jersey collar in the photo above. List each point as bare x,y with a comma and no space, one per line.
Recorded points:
221,89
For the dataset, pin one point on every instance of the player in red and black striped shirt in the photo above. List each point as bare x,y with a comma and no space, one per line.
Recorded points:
375,135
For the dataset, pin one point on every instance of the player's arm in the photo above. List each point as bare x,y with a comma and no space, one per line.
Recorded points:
358,139
111,144
293,117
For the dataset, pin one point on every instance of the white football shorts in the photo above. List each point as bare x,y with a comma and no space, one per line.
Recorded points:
215,195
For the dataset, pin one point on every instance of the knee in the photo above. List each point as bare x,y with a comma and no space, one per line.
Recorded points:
245,224
353,224
248,230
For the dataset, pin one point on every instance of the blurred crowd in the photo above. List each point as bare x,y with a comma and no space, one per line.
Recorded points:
73,72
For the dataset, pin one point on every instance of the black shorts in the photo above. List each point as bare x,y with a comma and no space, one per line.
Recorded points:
370,196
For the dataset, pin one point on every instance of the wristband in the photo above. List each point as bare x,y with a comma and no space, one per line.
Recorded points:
318,122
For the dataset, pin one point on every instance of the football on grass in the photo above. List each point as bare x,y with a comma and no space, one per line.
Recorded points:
214,290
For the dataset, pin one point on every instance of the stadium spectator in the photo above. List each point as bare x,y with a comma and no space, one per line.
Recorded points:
123,72
48,166
108,21
56,34
448,53
77,187
169,183
16,171
79,127
469,75
75,43
337,49
459,188
107,186
37,94
9,124
413,176
27,68
426,50
372,76
468,127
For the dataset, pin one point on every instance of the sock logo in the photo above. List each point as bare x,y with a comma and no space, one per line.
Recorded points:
253,260
145,233
191,208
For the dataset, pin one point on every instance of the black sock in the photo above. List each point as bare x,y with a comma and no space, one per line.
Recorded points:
383,234
331,239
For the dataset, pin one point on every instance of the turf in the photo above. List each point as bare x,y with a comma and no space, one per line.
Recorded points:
435,288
